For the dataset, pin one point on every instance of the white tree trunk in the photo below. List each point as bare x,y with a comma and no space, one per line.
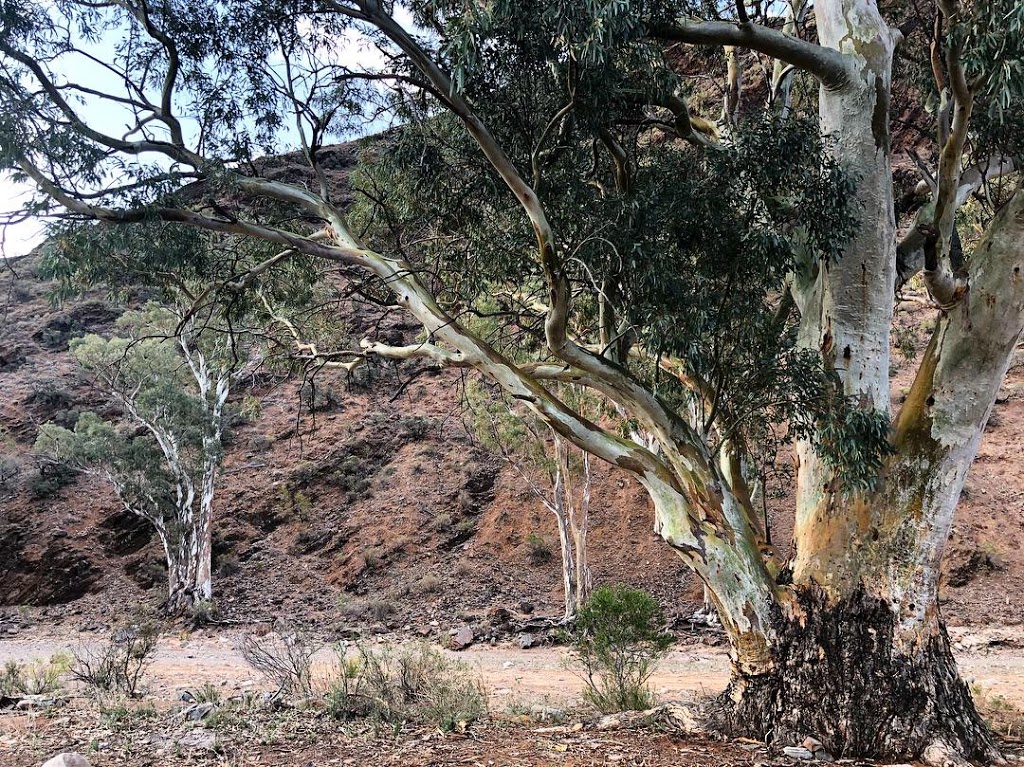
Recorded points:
846,307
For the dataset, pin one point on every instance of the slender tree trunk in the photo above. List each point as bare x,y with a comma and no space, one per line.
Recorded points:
188,576
188,545
569,582
579,525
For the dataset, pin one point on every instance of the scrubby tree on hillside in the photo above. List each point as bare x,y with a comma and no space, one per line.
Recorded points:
172,381
531,449
711,282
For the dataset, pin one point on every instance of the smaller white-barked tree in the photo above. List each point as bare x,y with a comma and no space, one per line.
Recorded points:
171,378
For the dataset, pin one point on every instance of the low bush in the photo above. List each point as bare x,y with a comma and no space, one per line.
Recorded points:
50,480
374,608
119,664
414,427
120,716
538,549
285,661
346,697
36,677
318,398
207,694
1005,718
429,584
619,642
9,471
419,684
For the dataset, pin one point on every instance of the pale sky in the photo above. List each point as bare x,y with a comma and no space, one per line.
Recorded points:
18,239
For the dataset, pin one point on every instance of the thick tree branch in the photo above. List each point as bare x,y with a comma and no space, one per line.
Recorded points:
618,383
946,287
421,351
831,67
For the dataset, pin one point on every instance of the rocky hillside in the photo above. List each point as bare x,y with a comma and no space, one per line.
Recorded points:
377,508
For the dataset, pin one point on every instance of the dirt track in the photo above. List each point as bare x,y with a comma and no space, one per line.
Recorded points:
992,659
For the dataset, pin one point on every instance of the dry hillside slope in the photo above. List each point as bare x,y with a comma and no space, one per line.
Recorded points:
378,509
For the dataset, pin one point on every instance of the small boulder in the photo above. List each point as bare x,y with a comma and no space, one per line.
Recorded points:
198,738
198,711
798,752
69,759
36,703
547,713
525,607
817,749
527,640
462,638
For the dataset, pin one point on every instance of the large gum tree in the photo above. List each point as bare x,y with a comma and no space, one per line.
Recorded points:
561,203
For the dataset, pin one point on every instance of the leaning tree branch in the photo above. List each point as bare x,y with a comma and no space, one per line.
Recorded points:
422,351
344,254
831,67
944,286
617,383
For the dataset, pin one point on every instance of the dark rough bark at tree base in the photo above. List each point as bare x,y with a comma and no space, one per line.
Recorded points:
840,677
184,601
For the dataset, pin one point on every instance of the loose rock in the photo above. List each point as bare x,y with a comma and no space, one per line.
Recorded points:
36,703
798,752
198,738
69,759
527,640
199,711
462,638
547,713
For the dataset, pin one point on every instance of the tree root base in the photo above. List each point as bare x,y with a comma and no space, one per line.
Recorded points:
843,676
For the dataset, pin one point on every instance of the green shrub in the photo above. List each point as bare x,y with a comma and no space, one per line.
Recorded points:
619,641
119,715
208,693
50,480
205,612
37,677
538,550
417,683
346,697
415,427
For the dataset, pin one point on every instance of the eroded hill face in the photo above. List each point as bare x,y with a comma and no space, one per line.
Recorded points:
378,508
375,507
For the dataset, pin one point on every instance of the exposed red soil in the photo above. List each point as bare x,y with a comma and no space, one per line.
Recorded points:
382,510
